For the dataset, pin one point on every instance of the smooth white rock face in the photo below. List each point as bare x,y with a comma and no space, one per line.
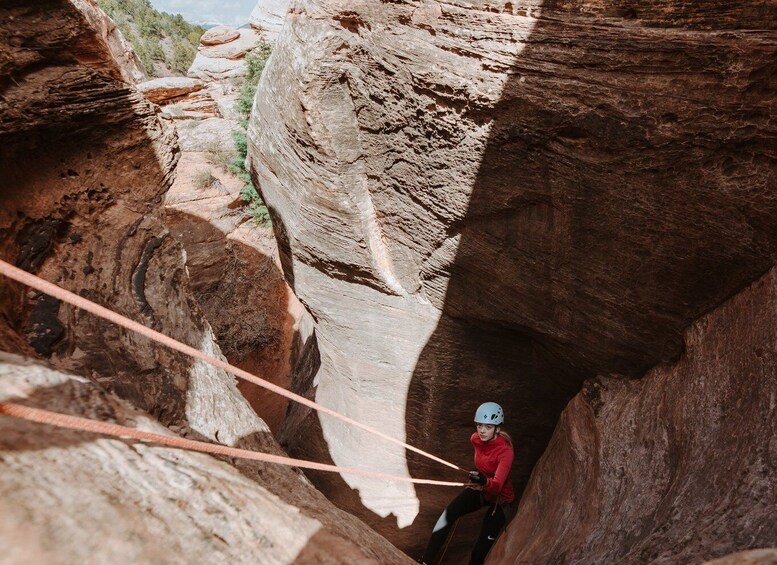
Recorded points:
207,401
213,69
382,348
334,149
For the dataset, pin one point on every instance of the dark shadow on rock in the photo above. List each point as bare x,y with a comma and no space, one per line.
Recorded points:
74,398
283,240
243,296
85,162
605,218
111,261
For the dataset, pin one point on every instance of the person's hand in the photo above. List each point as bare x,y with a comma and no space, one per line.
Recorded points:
478,478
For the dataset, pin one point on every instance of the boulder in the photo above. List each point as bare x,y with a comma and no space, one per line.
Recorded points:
198,105
166,89
216,69
219,35
236,49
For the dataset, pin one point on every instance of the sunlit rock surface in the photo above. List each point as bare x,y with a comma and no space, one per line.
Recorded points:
496,202
86,161
121,50
231,260
219,35
166,89
222,56
677,466
75,497
268,16
752,557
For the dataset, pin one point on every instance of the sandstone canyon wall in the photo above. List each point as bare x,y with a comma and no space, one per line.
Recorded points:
678,466
231,259
268,16
86,161
498,201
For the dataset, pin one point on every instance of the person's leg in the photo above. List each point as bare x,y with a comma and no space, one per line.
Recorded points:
467,501
493,522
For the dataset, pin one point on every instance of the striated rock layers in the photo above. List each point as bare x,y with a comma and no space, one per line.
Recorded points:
231,261
498,201
222,51
85,161
677,466
72,497
268,16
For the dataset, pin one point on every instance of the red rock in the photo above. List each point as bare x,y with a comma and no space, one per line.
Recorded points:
218,35
497,202
86,161
678,467
165,89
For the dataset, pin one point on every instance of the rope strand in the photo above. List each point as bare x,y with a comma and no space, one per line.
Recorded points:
51,289
106,428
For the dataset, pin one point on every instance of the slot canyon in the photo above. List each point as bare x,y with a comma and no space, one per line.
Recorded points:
568,207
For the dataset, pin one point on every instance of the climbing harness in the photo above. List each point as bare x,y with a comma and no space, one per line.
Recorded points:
62,420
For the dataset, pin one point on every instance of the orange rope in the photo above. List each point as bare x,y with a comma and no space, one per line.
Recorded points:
106,428
66,296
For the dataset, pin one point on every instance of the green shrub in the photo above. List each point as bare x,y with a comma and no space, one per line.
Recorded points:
183,55
219,156
255,62
258,210
144,27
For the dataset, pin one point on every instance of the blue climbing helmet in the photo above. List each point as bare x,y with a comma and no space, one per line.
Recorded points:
490,413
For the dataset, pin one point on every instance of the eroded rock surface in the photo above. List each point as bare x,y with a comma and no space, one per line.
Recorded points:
231,260
75,497
226,58
121,50
86,162
496,202
677,466
166,89
268,16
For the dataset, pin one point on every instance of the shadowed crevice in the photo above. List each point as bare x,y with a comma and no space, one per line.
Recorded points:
604,219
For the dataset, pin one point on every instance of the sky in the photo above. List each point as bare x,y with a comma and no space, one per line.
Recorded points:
228,12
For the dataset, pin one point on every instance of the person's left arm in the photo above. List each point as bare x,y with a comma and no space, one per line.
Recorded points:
494,486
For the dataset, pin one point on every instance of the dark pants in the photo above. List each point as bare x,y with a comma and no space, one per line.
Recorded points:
466,502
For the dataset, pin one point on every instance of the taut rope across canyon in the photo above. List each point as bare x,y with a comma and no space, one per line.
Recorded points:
73,422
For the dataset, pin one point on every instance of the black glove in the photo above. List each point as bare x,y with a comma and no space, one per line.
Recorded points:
478,477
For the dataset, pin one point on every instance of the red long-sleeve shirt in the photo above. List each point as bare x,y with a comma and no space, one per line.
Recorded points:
494,459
